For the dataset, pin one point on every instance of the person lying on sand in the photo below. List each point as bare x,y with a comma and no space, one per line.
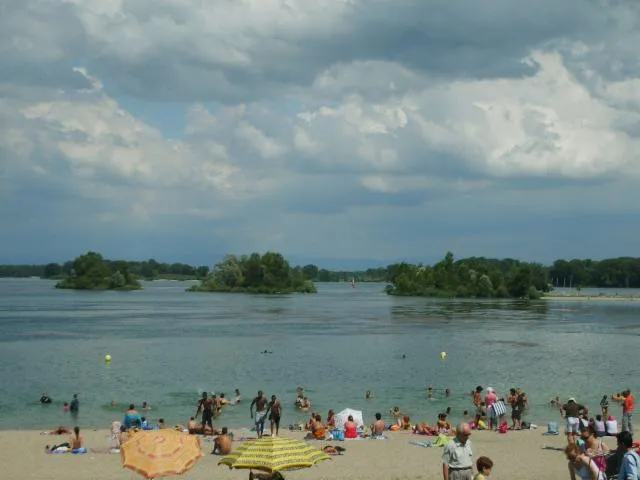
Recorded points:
61,430
333,449
423,429
75,444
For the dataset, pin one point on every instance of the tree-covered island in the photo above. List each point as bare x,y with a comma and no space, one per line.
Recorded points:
266,274
91,272
469,278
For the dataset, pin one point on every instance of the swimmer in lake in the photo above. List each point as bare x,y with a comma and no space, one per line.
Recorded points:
368,394
45,399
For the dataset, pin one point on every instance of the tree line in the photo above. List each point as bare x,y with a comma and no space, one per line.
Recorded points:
146,270
622,272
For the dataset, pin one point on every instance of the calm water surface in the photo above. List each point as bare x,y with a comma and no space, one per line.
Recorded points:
168,346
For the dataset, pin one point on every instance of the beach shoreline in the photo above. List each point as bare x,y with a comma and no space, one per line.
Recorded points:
527,455
588,297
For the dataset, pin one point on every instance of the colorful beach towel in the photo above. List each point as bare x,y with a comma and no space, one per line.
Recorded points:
442,440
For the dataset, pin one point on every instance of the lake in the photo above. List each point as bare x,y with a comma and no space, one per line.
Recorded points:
168,346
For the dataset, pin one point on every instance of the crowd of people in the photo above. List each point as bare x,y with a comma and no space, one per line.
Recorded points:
588,456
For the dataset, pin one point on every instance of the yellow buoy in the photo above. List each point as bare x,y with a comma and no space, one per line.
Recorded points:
107,358
443,355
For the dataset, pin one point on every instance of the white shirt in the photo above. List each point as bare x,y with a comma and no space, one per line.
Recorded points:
457,455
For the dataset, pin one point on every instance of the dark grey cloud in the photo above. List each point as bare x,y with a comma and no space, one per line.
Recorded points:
157,51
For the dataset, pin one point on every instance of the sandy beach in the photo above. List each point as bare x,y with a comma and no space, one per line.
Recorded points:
526,455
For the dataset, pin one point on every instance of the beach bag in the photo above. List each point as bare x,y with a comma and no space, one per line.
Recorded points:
499,409
601,462
337,435
552,429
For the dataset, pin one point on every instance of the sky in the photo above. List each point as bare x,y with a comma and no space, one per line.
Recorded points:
338,132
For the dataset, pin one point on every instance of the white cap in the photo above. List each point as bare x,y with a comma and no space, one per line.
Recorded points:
490,389
571,399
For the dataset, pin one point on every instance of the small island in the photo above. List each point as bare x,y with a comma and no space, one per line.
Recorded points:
266,274
91,272
469,278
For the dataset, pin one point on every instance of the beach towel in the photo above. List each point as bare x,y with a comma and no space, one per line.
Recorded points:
499,409
552,429
378,437
422,444
442,440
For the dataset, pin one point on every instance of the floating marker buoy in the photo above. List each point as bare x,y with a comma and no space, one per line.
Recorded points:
443,355
107,358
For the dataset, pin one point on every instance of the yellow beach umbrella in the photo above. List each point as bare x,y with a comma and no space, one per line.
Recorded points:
274,454
160,453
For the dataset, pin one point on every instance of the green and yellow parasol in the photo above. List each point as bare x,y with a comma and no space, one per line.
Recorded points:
274,454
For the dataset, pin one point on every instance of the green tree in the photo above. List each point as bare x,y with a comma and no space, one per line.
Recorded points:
269,273
52,270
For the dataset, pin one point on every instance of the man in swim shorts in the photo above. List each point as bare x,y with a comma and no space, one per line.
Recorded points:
206,405
261,412
571,411
274,415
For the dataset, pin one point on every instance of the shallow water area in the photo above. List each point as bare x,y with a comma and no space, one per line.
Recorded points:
167,346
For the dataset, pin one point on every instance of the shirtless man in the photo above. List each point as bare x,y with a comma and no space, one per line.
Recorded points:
261,412
206,405
276,412
378,426
222,443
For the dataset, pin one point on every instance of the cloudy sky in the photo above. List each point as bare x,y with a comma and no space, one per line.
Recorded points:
368,130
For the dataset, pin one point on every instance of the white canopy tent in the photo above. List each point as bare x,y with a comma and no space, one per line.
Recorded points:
342,417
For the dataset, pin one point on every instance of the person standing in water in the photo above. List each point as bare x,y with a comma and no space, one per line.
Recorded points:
74,406
261,412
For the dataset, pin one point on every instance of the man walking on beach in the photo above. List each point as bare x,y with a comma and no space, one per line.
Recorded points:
571,411
274,416
457,458
261,412
628,407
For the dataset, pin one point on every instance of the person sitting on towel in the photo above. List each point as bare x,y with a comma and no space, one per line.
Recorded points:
378,427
